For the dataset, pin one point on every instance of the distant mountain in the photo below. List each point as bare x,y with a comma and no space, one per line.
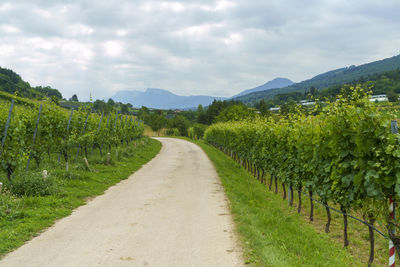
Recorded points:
275,83
162,99
328,79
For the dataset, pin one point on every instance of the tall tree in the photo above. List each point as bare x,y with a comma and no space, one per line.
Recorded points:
392,96
263,108
111,102
74,98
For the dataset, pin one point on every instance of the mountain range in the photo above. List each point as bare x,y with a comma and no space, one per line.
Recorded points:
163,99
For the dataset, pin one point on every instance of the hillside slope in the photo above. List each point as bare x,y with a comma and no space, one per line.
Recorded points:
12,83
275,83
330,78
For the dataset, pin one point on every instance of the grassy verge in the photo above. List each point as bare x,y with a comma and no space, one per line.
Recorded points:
272,233
24,217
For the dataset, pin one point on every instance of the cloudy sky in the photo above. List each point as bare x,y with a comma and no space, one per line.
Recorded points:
189,47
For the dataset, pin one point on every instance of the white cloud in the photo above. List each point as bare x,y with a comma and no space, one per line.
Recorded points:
151,6
233,38
219,6
79,30
38,43
198,31
174,6
9,29
121,32
216,47
80,54
113,48
5,7
6,51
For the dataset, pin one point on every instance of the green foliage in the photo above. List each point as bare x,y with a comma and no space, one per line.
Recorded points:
87,130
216,108
392,96
11,83
111,102
49,92
181,123
32,184
172,132
234,113
345,154
22,218
74,98
199,129
155,121
102,107
271,233
263,108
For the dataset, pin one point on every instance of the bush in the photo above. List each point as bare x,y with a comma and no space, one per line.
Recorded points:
181,123
173,131
199,130
32,184
191,133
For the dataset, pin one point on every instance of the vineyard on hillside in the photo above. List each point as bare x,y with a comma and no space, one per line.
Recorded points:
35,130
344,154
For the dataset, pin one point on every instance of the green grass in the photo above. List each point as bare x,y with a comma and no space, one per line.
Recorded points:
22,218
272,233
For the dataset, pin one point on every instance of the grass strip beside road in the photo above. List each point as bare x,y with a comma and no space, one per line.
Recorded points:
22,218
272,233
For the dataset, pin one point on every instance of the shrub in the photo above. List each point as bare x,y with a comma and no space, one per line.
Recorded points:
32,184
199,130
173,131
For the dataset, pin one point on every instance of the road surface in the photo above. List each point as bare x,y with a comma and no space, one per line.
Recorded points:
171,212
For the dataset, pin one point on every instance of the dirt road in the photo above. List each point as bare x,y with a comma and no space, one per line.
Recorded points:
172,212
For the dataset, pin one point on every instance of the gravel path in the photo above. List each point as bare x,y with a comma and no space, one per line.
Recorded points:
172,212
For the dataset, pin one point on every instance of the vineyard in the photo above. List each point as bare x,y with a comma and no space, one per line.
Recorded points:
33,131
52,160
343,154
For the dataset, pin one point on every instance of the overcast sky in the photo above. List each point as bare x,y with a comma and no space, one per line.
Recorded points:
189,47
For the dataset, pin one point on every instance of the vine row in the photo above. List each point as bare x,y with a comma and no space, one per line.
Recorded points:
343,153
32,132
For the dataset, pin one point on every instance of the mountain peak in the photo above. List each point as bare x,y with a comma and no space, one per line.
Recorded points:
157,91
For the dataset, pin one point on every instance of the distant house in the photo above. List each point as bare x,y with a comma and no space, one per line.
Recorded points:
378,98
306,102
275,109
